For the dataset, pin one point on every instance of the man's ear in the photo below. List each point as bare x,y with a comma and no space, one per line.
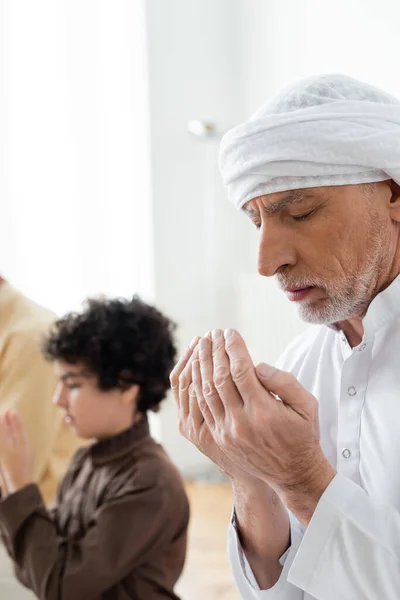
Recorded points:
394,201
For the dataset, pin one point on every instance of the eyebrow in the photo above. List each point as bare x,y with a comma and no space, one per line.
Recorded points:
292,197
71,374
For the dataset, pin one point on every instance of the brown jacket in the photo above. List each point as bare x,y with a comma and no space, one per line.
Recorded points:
118,530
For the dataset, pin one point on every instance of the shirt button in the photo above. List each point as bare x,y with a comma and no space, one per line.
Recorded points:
352,391
346,453
362,347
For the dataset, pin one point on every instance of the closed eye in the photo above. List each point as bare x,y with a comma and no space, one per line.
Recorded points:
73,386
303,217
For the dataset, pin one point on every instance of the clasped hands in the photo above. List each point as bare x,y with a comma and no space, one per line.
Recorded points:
255,423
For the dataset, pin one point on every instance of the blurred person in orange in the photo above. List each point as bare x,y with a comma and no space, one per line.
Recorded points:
27,384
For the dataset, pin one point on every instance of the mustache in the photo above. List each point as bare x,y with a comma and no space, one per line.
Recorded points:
300,282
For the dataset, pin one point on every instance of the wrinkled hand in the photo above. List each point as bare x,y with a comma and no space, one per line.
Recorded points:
15,453
192,424
276,440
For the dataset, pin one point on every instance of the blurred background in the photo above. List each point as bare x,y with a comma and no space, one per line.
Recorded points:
111,114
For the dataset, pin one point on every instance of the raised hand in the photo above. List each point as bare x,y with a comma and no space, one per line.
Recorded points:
15,453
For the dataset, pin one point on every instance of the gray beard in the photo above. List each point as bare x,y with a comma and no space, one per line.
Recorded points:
352,302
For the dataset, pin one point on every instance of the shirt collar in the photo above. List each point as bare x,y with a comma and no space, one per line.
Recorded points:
110,449
384,308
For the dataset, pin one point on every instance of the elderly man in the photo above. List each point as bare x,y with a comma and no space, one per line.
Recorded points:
312,446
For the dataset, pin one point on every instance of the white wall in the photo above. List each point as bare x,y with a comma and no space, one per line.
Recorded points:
285,40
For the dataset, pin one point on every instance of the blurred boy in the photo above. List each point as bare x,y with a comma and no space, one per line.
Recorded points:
118,530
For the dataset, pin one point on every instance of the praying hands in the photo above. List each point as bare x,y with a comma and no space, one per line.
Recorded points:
252,422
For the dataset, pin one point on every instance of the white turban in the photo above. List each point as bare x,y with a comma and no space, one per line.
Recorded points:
327,130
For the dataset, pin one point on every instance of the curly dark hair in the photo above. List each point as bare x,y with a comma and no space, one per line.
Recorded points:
121,342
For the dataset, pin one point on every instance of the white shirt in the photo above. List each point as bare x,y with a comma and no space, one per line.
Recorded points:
351,548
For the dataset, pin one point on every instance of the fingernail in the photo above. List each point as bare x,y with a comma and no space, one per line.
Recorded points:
194,341
265,370
207,334
228,333
216,334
